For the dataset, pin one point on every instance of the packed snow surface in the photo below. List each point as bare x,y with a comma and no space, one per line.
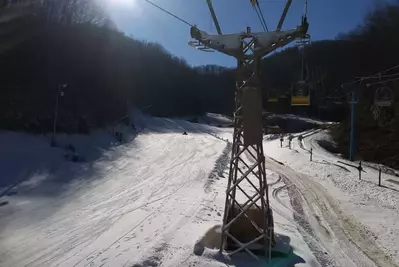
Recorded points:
152,199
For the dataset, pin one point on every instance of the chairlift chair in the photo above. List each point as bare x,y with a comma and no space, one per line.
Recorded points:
273,96
383,97
300,95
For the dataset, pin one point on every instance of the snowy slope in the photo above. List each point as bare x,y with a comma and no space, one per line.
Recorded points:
24,156
297,118
152,200
129,204
216,120
367,214
143,203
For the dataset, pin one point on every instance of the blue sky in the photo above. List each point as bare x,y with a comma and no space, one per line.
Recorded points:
142,21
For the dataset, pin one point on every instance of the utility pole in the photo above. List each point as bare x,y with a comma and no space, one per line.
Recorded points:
352,145
59,93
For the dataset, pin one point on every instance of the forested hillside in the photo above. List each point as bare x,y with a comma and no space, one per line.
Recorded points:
368,50
49,43
106,72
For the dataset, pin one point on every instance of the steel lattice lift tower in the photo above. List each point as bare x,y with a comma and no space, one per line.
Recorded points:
247,164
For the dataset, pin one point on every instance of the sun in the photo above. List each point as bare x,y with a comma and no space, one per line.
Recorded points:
123,3
119,9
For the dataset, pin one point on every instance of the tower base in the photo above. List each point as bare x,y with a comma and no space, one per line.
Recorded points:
244,231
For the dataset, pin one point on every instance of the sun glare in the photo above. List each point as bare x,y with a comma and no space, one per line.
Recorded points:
124,3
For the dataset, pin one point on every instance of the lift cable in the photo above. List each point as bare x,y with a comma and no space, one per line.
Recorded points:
378,74
169,13
394,67
259,13
305,15
361,79
260,19
386,81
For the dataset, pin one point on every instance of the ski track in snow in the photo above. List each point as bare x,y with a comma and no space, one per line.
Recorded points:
136,204
146,202
367,213
143,203
314,195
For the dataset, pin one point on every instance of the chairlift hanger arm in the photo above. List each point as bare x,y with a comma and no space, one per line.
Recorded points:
215,19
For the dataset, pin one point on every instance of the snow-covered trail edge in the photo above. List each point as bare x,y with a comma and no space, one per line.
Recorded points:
347,237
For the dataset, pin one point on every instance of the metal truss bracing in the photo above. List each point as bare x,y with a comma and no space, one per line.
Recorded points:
247,177
247,165
248,220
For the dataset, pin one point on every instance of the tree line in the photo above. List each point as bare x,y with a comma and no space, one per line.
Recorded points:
107,73
47,43
334,70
